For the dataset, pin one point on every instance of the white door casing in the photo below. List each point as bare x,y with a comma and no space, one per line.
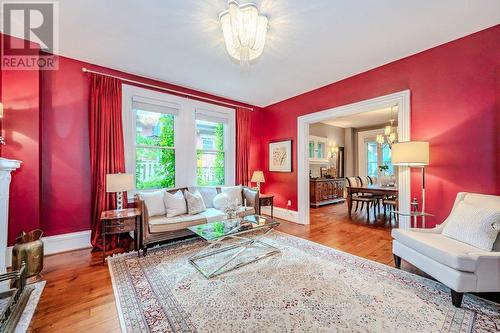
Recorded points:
401,99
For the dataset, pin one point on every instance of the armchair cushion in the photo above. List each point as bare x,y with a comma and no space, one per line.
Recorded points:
440,248
473,225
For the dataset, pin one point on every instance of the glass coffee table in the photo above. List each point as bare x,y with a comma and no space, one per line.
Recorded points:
232,230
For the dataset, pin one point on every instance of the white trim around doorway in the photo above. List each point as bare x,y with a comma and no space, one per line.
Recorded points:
401,99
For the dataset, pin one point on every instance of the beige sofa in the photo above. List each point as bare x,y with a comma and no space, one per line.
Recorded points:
158,229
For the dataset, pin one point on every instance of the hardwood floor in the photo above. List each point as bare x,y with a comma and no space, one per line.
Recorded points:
331,226
78,296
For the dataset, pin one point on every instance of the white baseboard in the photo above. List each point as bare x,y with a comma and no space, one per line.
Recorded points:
59,243
282,213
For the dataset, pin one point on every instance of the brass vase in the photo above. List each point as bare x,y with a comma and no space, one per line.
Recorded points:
28,249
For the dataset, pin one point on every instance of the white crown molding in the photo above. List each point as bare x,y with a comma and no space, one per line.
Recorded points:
59,243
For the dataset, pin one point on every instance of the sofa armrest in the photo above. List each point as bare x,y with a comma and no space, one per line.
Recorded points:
252,198
487,271
144,232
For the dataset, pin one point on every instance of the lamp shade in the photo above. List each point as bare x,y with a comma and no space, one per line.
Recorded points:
119,182
411,153
258,177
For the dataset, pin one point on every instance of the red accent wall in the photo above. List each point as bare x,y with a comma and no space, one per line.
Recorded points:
52,189
454,105
21,130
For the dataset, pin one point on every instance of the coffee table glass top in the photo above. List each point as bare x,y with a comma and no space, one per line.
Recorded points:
215,230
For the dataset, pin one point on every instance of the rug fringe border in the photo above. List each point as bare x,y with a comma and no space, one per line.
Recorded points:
121,319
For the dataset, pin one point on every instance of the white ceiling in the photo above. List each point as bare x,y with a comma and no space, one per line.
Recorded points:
365,119
310,43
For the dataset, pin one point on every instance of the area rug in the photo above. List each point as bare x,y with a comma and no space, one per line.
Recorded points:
306,288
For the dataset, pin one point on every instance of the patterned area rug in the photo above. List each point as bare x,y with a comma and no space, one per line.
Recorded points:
306,288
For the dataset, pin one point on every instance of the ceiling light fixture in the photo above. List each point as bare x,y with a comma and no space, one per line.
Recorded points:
390,135
244,30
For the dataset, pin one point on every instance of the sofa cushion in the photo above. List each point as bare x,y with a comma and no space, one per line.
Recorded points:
221,201
234,193
154,202
195,202
175,204
164,224
207,193
213,215
473,225
438,247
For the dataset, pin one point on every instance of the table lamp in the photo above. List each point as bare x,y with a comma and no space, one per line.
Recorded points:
413,154
119,183
258,177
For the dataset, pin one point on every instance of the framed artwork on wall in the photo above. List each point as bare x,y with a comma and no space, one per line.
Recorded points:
280,156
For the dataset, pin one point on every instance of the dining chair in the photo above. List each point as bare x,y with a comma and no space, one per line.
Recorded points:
391,204
360,197
365,181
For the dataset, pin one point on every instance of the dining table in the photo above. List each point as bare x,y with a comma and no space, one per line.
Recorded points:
374,189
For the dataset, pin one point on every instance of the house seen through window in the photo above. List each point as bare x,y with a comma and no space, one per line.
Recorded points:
155,150
210,153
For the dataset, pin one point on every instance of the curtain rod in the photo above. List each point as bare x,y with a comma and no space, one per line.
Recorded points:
205,99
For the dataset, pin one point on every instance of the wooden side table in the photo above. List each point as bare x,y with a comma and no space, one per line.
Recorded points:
266,200
120,221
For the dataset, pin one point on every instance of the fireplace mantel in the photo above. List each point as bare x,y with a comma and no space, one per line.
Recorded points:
6,167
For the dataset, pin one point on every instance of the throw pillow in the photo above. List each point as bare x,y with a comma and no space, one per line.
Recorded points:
234,193
472,225
195,202
154,202
221,201
208,194
175,204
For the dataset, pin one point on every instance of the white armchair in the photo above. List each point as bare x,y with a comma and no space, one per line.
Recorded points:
461,267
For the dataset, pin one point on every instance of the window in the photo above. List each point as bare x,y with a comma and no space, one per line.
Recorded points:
210,153
174,142
378,156
372,159
155,150
386,160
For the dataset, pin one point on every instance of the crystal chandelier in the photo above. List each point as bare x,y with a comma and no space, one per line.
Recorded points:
390,135
244,31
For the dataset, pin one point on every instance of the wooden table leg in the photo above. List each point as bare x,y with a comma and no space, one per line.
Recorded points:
349,203
136,236
103,235
272,208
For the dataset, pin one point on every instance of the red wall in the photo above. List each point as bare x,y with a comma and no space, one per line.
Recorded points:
20,128
454,105
52,189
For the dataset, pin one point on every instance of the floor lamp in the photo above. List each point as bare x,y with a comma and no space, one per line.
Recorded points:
413,154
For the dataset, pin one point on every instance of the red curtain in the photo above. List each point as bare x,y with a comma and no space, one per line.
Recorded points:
242,145
106,148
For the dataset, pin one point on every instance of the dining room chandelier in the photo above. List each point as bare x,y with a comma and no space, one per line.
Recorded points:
244,30
390,135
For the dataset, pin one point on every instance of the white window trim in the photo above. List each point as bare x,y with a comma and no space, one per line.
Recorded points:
363,138
184,133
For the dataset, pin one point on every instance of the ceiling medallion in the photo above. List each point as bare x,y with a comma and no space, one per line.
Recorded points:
244,30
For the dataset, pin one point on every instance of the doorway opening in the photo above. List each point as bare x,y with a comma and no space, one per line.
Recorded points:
361,155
